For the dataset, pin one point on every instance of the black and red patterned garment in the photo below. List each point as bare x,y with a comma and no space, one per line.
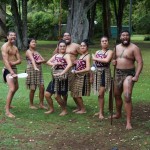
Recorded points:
101,54
63,62
80,64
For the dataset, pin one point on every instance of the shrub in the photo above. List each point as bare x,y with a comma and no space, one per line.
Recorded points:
147,38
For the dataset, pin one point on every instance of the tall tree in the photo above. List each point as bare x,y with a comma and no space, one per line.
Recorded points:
77,22
20,25
24,22
106,15
3,20
91,18
118,9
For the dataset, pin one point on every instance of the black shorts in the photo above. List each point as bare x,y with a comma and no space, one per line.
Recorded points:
5,73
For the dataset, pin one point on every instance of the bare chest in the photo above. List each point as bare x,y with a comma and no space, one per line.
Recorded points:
71,49
125,53
11,51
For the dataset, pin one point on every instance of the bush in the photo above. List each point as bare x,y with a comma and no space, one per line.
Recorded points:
147,38
143,25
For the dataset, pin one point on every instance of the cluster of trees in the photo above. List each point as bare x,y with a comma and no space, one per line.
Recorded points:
83,18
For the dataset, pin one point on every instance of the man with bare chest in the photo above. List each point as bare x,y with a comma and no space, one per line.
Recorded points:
126,55
11,58
72,48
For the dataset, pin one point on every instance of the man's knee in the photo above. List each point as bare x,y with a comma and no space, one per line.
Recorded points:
101,95
127,97
12,90
118,96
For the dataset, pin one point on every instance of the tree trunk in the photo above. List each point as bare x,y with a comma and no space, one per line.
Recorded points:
119,16
106,17
91,18
3,21
18,24
77,22
24,22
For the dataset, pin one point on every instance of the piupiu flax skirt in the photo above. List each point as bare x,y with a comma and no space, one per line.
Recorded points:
60,83
98,79
35,78
81,85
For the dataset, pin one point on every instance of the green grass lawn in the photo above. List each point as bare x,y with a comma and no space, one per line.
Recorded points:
32,129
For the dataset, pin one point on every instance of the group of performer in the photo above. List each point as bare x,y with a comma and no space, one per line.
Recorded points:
71,71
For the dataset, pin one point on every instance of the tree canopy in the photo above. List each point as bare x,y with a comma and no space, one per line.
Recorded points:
83,19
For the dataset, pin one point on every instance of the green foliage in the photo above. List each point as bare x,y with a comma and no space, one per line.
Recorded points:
65,4
43,19
147,38
141,17
143,25
40,25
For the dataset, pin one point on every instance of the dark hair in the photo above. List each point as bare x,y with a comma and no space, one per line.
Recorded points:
67,32
29,41
86,41
62,41
10,32
104,37
124,31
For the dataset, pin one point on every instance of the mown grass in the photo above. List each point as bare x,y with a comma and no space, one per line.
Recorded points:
32,129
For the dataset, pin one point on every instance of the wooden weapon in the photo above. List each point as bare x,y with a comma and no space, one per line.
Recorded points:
111,92
111,99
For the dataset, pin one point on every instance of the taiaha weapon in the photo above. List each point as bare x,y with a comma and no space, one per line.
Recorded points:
111,92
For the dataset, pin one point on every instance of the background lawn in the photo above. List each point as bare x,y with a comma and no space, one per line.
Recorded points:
32,129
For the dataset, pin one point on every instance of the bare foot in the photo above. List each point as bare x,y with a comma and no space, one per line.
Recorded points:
49,112
75,110
116,116
43,107
96,114
128,126
63,113
81,112
10,115
33,107
101,116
